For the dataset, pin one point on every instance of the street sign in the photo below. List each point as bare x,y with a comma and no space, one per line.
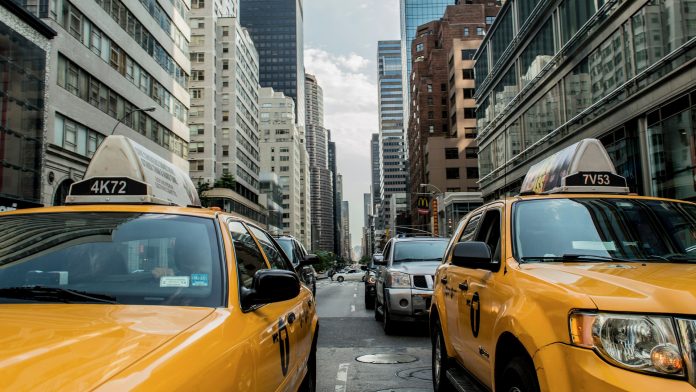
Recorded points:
436,224
423,205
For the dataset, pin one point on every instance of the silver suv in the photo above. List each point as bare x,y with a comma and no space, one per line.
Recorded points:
405,279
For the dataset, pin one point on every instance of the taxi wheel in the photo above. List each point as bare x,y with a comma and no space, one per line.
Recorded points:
519,375
378,315
440,361
339,279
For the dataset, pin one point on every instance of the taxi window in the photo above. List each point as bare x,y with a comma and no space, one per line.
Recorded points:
129,258
470,229
247,253
276,257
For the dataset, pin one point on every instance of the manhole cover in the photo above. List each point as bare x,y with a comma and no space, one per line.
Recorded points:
422,373
386,358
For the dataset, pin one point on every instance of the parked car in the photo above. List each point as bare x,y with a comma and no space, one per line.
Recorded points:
350,274
404,284
297,253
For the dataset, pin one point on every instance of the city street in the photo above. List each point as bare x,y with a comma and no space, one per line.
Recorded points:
348,331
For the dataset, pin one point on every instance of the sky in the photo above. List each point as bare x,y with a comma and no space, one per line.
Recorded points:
340,49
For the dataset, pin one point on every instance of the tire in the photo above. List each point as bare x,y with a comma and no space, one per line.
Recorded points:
378,316
519,375
339,279
387,323
440,361
369,301
309,383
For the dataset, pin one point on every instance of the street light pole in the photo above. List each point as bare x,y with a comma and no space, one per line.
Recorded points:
437,195
150,109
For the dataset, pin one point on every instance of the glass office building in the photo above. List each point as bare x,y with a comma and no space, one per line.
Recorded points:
618,71
276,28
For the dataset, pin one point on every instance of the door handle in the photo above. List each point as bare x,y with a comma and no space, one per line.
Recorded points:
443,280
464,286
291,318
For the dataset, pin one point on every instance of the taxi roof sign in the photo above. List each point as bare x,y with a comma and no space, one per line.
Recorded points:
584,167
123,171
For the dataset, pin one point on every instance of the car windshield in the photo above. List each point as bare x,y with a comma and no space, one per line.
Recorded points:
587,229
128,258
408,251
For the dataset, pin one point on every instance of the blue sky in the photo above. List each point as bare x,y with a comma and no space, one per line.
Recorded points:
340,38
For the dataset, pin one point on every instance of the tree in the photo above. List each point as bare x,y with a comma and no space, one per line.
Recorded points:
365,260
327,260
226,181
202,187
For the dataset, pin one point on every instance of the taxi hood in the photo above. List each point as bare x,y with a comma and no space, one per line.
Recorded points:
78,347
626,287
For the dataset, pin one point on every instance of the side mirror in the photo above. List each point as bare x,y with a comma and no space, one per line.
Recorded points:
475,255
378,259
271,286
309,259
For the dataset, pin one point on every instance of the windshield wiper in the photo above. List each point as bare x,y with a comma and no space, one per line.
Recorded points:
51,294
568,257
675,258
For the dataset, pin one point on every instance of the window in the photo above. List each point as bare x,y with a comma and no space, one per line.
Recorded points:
466,31
490,232
197,74
429,87
574,14
444,114
480,31
467,74
470,229
225,151
469,113
490,20
275,256
225,31
452,173
537,54
225,64
196,93
470,133
197,57
472,172
468,54
469,93
225,115
471,152
443,86
247,253
419,47
451,153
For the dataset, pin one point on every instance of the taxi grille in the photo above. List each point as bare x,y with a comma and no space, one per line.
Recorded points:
423,281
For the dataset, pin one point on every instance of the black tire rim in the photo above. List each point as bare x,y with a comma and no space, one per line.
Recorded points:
437,361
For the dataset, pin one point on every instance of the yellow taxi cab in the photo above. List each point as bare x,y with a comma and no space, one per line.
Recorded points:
134,286
576,285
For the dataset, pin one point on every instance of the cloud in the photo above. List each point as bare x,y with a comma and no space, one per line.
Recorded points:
350,112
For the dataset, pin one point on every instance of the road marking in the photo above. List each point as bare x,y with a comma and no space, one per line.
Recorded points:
342,377
352,308
355,296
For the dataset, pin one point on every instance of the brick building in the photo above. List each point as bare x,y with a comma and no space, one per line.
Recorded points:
442,121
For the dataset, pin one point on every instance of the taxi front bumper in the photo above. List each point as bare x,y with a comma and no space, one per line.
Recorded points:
562,367
409,304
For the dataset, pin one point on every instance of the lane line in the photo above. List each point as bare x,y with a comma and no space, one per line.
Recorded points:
352,308
355,296
342,377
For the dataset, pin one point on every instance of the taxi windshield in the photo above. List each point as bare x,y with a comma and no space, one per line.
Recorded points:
594,229
125,258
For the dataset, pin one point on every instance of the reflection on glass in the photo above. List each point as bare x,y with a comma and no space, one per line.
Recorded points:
485,161
542,118
537,54
481,67
506,90
502,36
672,149
607,66
577,89
574,14
513,140
524,9
484,114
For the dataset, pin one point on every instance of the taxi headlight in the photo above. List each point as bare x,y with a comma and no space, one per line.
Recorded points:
634,342
399,280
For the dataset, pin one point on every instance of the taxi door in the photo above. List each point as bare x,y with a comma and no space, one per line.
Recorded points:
451,277
270,328
480,300
294,331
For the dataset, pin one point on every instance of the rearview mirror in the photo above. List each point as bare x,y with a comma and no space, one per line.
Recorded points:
310,259
271,286
473,254
378,259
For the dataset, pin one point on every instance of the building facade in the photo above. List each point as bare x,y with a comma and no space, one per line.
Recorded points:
414,13
337,184
25,44
375,175
224,100
109,61
620,71
393,162
442,148
282,155
346,249
321,177
276,28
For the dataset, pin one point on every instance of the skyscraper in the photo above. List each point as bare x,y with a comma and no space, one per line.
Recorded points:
413,14
393,166
276,28
374,164
321,183
224,99
337,183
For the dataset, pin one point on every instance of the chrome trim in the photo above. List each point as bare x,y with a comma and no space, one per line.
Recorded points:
687,336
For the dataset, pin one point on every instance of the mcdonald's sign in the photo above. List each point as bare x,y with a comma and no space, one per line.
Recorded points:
423,205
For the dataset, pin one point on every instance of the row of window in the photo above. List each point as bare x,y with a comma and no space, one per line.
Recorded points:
160,15
77,81
120,13
452,173
75,137
99,43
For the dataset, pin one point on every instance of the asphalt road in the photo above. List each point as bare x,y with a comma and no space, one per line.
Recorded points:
348,331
